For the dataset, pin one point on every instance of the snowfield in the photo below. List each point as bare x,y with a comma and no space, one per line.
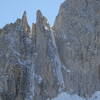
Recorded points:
65,96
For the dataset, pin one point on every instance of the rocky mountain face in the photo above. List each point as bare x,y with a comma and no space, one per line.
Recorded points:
77,35
39,63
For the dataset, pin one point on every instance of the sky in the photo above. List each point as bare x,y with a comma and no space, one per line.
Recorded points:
10,10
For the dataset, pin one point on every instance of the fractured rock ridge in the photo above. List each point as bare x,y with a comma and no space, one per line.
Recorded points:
39,63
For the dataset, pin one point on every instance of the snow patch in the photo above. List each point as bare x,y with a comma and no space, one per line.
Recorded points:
96,96
65,96
64,37
46,28
57,61
28,40
67,70
68,43
39,78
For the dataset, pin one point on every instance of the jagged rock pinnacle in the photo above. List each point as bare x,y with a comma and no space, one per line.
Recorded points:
39,16
41,22
24,17
25,22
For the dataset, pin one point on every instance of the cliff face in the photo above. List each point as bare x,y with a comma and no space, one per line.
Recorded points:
16,61
30,66
47,66
38,64
77,35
